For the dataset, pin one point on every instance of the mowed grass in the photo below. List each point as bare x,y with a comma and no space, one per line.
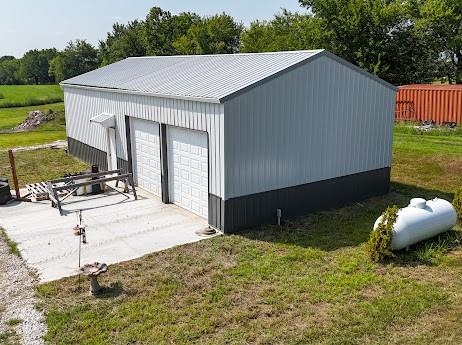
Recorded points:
25,95
30,138
40,165
306,282
430,161
11,117
45,133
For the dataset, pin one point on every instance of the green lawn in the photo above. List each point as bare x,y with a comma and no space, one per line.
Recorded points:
48,132
30,138
307,282
24,95
40,165
428,160
11,117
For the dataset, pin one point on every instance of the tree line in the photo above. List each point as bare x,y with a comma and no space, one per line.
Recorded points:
401,41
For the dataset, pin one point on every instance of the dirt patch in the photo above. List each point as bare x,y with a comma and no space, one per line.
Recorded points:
381,271
456,254
322,312
440,276
440,326
372,293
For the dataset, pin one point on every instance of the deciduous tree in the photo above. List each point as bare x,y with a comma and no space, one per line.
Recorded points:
286,31
162,29
218,34
35,65
78,57
377,35
124,41
9,69
440,21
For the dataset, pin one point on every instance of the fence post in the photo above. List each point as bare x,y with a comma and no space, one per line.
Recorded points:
13,172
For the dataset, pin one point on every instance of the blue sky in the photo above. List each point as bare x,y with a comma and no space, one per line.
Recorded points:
30,24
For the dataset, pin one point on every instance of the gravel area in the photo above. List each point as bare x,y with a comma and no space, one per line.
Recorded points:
58,144
17,301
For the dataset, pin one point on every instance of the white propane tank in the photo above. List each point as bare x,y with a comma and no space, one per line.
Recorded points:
421,220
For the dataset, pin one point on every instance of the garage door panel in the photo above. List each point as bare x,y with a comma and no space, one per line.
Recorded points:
146,155
184,161
195,178
196,208
204,167
195,165
188,155
196,193
195,150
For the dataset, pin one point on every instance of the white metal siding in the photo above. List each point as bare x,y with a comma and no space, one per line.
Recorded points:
319,121
83,104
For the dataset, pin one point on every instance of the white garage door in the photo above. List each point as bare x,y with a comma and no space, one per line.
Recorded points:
146,155
188,169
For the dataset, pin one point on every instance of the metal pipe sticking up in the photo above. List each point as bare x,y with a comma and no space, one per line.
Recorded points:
79,230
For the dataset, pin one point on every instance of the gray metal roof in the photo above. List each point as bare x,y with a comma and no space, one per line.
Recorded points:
212,78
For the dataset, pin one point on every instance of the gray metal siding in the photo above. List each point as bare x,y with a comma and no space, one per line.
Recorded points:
87,153
320,121
83,104
92,155
248,211
216,210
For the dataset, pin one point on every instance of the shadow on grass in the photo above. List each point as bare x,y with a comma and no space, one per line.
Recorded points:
348,226
111,291
415,191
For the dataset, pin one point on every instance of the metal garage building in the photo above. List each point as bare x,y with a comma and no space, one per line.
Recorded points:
233,138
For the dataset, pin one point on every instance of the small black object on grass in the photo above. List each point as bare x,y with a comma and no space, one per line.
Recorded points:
5,194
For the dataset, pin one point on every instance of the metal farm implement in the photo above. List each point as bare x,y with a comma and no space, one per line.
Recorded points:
60,189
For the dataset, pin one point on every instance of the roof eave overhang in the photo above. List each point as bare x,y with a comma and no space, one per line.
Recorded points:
140,93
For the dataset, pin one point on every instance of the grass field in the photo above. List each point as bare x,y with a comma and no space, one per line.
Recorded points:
11,117
48,132
25,95
30,138
40,165
309,281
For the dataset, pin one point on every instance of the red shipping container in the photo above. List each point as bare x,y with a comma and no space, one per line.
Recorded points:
427,102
